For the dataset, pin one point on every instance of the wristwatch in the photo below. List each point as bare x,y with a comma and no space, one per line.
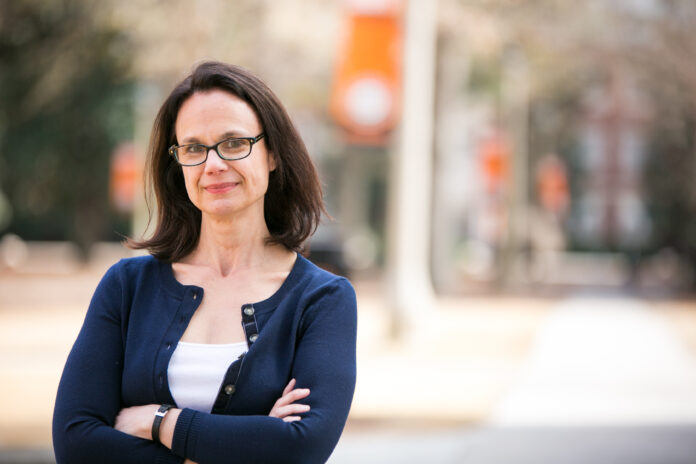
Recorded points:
159,415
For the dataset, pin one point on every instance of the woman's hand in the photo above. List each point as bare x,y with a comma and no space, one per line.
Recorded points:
285,407
137,420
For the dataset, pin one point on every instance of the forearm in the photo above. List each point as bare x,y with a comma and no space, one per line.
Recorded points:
208,437
86,441
212,439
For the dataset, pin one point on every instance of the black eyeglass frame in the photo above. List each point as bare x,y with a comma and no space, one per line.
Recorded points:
252,140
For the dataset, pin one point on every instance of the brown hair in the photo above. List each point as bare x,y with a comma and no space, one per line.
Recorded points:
293,202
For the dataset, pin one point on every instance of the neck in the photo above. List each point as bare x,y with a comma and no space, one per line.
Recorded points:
229,244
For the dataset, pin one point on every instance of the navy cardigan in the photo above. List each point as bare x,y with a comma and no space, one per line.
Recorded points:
139,311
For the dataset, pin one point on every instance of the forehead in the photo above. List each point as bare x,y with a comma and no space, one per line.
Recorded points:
209,114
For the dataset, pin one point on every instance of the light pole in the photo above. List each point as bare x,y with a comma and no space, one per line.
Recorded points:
410,291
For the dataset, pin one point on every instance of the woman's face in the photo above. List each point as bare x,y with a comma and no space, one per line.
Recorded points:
218,187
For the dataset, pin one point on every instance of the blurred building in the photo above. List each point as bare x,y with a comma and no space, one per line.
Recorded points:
610,211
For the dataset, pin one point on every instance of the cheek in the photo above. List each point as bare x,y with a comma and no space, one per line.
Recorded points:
191,183
254,172
262,179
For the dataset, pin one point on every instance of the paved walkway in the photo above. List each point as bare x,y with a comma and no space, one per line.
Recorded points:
607,381
603,360
667,444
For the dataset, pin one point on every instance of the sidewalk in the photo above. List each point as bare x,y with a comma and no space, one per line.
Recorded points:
463,358
604,360
609,379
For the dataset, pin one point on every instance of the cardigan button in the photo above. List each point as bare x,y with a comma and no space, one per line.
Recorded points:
253,338
229,389
249,311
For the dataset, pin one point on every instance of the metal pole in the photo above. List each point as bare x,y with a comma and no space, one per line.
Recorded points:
410,289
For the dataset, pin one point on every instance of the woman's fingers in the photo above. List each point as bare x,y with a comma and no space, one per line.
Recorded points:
289,387
286,407
292,396
291,409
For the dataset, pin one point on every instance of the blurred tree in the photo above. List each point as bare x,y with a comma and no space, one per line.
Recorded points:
65,102
666,59
572,46
669,179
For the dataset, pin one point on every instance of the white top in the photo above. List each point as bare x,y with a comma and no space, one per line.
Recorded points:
197,370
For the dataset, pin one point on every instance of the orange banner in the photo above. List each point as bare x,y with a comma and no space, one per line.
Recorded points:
367,79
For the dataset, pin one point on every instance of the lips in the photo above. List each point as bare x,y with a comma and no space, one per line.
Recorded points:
220,188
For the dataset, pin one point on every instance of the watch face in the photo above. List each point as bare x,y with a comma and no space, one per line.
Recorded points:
163,409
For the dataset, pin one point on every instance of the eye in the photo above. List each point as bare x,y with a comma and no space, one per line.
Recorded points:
233,144
194,149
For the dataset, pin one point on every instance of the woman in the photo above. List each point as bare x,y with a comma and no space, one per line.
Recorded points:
224,345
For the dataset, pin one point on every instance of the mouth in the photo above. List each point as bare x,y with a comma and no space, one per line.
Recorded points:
220,188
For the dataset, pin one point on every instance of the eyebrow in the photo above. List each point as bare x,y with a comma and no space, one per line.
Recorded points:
225,136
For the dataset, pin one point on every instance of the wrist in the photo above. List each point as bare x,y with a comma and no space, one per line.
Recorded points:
167,427
160,414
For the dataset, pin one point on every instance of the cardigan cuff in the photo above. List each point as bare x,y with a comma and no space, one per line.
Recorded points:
185,433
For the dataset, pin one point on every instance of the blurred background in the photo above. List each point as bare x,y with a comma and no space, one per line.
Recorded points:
511,185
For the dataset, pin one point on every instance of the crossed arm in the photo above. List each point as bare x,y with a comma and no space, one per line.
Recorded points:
137,420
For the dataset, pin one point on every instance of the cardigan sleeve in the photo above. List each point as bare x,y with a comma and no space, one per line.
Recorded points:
89,393
324,363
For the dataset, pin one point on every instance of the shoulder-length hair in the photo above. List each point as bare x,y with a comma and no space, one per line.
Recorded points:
293,202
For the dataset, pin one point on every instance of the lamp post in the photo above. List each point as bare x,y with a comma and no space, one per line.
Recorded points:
410,291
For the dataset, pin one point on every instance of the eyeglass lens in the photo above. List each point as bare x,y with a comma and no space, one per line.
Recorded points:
229,149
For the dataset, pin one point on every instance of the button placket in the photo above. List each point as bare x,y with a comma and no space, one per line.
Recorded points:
229,387
251,329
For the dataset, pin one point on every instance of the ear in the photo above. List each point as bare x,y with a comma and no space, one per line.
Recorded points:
271,162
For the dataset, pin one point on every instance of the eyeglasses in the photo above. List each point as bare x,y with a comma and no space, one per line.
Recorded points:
233,149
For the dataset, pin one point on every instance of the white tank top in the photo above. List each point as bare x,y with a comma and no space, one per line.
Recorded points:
196,371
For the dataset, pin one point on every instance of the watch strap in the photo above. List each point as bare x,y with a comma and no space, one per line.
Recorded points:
159,415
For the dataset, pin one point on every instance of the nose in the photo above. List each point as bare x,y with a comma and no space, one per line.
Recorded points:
214,163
